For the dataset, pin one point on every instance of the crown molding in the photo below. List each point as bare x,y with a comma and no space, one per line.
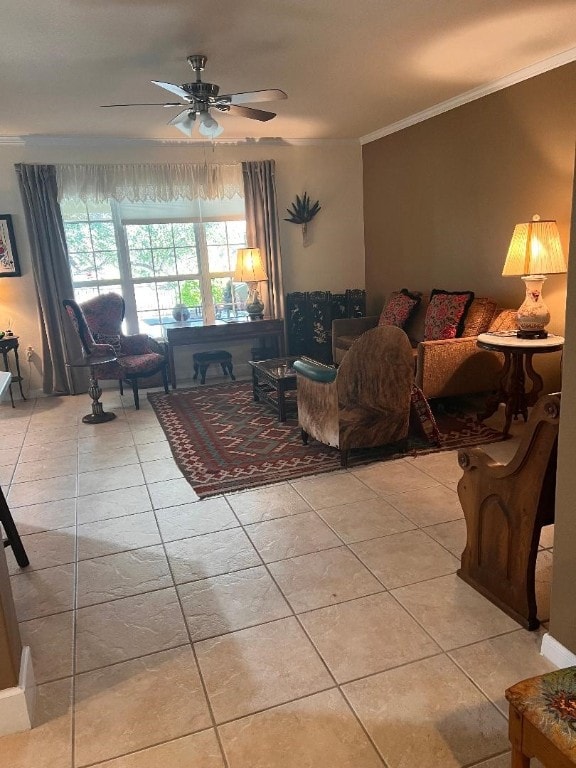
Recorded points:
476,93
12,141
38,140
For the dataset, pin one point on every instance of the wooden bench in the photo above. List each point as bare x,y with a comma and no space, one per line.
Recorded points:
506,506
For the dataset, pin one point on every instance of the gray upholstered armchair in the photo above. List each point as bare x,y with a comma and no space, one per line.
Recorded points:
365,403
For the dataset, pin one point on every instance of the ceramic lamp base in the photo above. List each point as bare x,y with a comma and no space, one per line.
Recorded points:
533,315
254,304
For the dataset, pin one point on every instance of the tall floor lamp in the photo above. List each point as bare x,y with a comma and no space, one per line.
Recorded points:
249,269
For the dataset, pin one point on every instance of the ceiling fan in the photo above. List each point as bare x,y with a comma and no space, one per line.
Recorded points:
199,98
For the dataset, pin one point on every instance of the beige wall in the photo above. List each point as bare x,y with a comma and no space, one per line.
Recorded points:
332,173
563,603
441,198
440,202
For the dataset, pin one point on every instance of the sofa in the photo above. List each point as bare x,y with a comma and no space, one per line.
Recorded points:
445,367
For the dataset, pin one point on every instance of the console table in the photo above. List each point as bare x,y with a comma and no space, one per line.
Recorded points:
268,333
518,355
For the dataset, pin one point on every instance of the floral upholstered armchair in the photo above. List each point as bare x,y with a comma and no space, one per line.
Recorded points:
365,403
99,324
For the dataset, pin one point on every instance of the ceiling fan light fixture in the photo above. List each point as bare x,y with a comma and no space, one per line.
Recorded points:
208,126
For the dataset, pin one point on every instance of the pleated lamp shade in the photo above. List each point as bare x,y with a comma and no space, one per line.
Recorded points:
249,268
535,249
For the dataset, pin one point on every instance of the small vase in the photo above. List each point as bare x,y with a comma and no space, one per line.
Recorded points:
181,313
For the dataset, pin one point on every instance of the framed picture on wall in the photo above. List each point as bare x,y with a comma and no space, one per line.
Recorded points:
9,264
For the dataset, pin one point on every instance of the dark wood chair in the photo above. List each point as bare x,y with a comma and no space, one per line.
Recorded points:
12,536
506,506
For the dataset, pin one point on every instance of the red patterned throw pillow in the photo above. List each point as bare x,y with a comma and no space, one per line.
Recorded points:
422,418
446,314
400,308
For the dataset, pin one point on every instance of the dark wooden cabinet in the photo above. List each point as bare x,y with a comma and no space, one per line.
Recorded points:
309,320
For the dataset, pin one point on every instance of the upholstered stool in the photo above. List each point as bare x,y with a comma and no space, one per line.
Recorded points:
202,360
542,721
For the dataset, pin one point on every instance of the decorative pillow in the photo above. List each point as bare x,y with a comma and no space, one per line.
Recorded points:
112,339
446,314
400,308
479,316
421,416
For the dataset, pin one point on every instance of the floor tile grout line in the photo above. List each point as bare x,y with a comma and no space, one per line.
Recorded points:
328,670
118,662
171,740
484,760
196,661
477,686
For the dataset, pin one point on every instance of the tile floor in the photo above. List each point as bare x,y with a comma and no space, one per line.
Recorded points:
308,624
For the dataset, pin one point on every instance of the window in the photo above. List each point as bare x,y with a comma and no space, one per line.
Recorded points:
158,258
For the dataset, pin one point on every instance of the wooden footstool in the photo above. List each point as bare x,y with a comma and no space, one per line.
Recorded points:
542,721
202,360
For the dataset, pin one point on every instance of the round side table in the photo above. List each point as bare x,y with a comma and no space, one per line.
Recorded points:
98,415
517,367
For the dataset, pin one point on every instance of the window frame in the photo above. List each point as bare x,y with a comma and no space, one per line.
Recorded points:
128,282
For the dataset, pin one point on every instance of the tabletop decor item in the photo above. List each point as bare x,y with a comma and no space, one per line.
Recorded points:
9,264
535,251
181,313
301,212
250,270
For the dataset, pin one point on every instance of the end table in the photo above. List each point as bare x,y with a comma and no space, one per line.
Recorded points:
518,355
10,344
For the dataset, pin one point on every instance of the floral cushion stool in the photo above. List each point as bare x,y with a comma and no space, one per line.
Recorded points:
542,719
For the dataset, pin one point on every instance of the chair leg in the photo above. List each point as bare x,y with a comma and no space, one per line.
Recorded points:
231,371
344,458
135,393
203,369
165,378
121,386
12,533
304,436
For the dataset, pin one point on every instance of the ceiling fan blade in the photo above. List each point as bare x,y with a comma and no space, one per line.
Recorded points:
253,114
147,104
184,121
272,94
174,89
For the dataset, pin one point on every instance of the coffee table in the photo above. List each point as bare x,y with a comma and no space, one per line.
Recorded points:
271,379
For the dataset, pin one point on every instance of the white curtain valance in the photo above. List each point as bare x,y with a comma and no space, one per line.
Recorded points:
141,183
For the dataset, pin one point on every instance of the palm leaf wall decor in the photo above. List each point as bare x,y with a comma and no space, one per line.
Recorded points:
302,211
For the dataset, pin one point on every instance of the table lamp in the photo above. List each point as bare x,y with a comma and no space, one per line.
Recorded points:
249,270
535,251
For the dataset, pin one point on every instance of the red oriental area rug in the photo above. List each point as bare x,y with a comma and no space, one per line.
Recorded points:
223,441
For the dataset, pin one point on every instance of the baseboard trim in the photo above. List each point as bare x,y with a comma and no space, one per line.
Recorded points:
556,653
17,705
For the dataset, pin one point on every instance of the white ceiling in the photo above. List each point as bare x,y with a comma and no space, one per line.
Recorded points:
349,69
